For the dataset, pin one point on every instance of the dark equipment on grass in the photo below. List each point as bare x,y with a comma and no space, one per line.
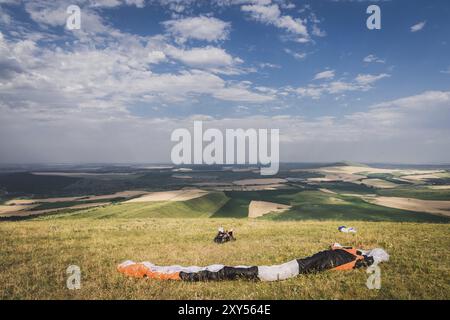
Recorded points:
224,236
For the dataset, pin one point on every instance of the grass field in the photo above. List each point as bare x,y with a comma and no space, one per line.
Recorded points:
35,254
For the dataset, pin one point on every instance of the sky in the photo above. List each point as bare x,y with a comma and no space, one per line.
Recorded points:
114,90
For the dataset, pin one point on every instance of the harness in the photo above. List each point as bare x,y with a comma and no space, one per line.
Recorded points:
349,265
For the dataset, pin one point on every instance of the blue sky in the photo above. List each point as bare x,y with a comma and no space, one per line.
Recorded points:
113,90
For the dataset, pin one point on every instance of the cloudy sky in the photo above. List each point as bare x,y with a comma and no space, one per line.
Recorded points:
114,90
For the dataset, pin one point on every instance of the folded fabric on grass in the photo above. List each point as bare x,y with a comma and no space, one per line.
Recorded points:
336,258
347,229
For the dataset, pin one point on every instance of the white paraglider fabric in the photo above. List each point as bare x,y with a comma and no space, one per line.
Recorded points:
278,272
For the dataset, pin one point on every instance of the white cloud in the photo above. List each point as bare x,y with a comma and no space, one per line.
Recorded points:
269,65
53,13
204,57
288,5
313,92
198,28
363,82
270,14
328,74
113,69
71,101
53,81
418,26
137,3
210,58
116,3
156,57
316,31
5,18
367,79
296,55
373,58
240,93
420,101
409,129
446,71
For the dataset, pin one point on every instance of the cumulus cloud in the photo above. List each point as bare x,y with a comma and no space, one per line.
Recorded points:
203,57
112,72
198,28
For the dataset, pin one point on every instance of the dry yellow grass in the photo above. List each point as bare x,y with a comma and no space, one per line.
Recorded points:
356,173
34,256
121,194
370,170
8,209
175,195
327,191
430,206
420,177
379,183
21,207
260,208
27,213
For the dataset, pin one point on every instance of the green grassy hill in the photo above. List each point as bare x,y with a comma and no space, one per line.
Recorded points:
317,205
306,205
201,207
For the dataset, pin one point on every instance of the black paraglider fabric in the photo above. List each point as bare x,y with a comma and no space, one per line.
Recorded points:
328,259
226,273
224,236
